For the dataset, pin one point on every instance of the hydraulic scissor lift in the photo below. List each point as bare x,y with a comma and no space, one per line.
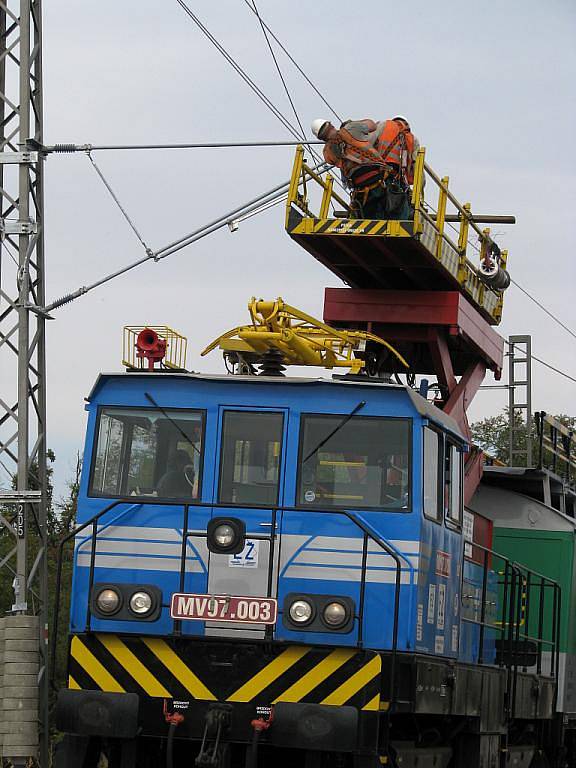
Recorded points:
411,282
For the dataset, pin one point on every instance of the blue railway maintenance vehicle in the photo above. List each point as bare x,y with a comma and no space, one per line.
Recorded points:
281,570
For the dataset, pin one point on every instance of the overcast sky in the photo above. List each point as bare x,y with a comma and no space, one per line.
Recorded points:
488,87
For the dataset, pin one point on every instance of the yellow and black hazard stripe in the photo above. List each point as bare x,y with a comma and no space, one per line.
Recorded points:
361,227
236,673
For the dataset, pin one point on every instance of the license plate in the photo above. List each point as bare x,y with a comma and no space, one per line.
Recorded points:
246,610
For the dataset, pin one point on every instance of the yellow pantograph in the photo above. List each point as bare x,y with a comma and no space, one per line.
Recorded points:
300,338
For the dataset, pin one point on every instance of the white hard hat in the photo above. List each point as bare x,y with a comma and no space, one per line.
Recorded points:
317,126
401,117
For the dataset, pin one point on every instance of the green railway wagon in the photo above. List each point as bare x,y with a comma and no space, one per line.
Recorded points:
532,525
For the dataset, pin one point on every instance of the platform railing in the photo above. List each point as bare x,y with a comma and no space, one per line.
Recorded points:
521,592
556,446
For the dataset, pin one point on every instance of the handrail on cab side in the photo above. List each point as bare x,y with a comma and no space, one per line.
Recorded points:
514,628
370,534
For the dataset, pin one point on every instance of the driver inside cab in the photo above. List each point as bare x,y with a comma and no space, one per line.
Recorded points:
178,480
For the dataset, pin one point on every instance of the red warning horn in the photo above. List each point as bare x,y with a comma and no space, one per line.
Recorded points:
150,346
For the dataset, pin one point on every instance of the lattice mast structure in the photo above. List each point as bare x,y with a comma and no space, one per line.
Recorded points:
23,383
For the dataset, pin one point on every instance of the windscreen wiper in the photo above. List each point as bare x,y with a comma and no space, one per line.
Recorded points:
338,427
171,420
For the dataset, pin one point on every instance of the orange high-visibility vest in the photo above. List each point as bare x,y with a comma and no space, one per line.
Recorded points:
395,145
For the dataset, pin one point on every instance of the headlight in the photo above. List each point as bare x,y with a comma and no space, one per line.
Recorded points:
141,603
335,614
108,601
301,611
224,535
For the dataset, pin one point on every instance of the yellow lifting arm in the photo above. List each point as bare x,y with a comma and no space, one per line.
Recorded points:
300,338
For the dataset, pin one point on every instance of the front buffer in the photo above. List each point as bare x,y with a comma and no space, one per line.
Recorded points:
218,693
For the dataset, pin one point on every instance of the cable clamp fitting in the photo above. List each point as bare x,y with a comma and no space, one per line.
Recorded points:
8,227
15,158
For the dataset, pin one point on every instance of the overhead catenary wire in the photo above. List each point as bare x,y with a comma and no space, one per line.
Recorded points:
249,209
512,344
282,80
552,368
298,67
523,290
252,205
280,75
538,360
544,309
244,75
177,245
119,204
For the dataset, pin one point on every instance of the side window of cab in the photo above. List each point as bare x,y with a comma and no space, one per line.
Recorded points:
453,496
432,482
442,492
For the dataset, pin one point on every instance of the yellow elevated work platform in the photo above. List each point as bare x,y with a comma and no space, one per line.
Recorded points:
421,254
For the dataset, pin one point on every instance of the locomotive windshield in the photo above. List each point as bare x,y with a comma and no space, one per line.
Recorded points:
146,452
365,463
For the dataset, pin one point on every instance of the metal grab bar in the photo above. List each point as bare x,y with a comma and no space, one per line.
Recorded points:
301,172
58,585
72,535
360,522
369,533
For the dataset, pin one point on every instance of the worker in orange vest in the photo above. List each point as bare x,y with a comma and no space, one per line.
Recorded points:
376,161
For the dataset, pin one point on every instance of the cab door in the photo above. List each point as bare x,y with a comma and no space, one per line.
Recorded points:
248,485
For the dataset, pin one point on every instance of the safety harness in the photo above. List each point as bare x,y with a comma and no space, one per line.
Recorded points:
364,180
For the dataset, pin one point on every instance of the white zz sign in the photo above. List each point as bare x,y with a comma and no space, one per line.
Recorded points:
248,558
